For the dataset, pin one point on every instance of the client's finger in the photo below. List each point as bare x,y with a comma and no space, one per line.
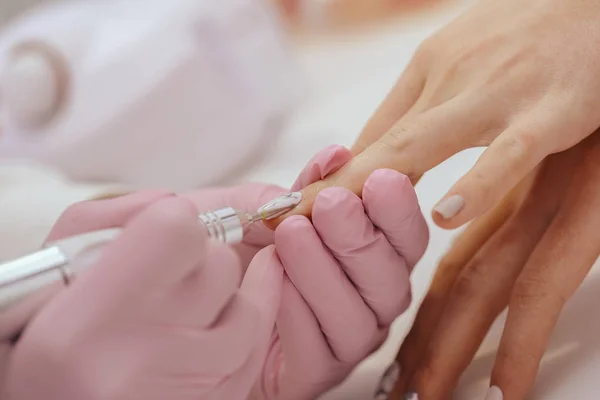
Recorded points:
554,272
415,145
462,251
400,99
483,288
508,159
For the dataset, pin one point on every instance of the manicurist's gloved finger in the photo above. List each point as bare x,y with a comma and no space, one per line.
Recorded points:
344,317
324,163
94,215
260,293
376,266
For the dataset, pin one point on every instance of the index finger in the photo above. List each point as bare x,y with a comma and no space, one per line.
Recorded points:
88,216
396,104
413,146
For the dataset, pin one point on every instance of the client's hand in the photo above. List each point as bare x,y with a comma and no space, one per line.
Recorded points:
160,316
519,77
347,278
530,254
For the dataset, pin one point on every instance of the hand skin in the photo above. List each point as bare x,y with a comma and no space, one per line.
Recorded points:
530,254
346,279
518,77
161,314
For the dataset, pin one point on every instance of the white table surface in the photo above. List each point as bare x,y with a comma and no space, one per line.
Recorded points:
347,77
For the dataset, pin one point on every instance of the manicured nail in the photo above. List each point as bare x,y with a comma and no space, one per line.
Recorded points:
279,206
411,396
388,381
450,207
494,393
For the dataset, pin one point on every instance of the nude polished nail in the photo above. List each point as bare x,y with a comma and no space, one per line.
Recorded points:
494,393
388,381
451,206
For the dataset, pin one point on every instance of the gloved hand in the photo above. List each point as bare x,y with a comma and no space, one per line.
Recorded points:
160,316
347,279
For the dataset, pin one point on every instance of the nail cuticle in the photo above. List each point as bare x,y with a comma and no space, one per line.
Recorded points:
280,205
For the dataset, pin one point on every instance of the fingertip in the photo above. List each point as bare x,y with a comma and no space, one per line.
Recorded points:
334,200
175,218
392,204
263,281
324,163
450,206
337,212
389,192
293,238
383,181
173,211
266,268
291,227
92,215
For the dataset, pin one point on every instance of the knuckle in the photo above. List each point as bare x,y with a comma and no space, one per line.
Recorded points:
511,365
472,281
402,134
479,179
522,144
533,290
425,51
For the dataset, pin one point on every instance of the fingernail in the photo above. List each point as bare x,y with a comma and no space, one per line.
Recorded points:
494,393
450,207
279,206
388,381
411,396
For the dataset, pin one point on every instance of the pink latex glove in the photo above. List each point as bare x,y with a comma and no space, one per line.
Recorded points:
347,278
161,315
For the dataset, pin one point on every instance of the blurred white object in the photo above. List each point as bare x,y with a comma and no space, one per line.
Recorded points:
175,93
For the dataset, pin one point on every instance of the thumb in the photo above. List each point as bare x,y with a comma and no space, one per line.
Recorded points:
262,287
